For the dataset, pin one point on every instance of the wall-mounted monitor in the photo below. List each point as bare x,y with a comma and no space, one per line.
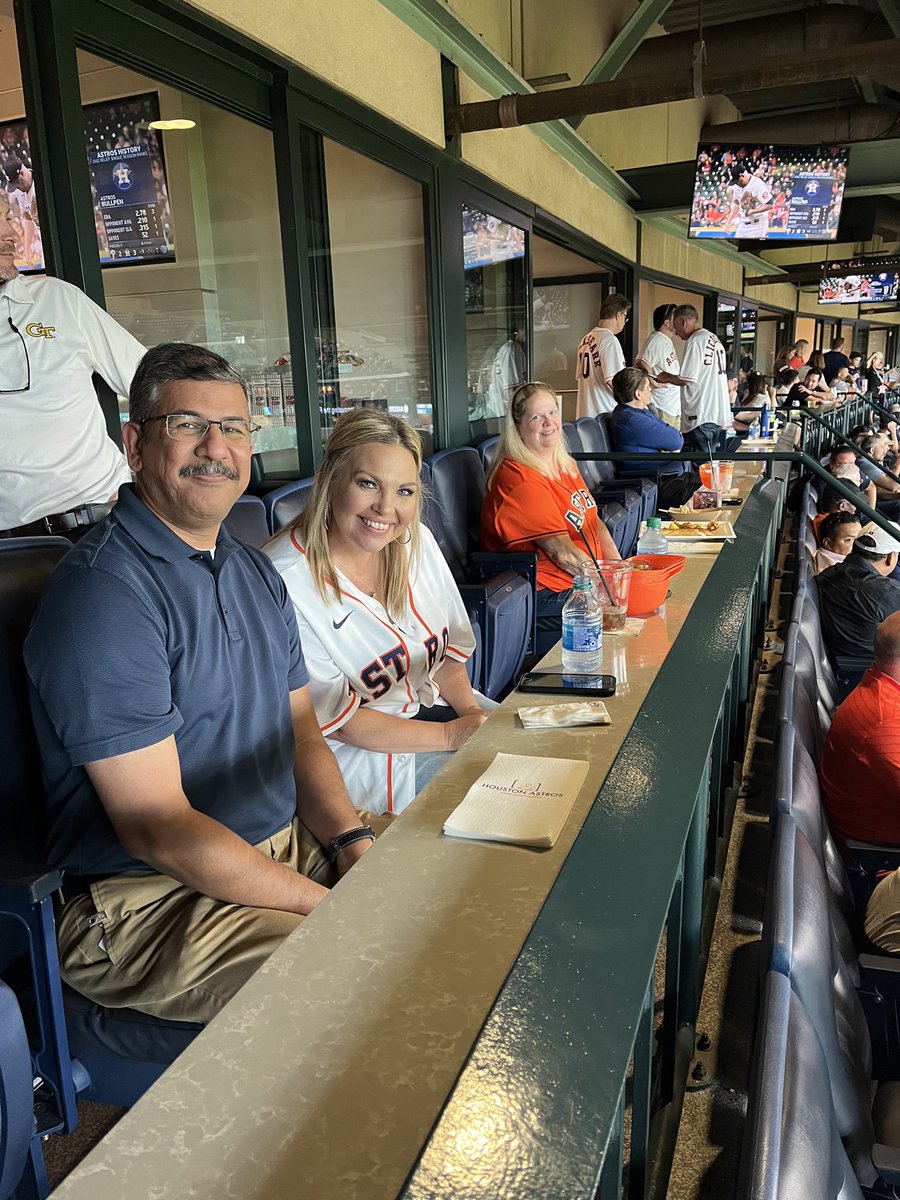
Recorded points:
768,193
864,282
132,214
487,239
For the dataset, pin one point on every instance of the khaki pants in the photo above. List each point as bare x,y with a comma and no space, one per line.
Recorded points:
673,419
883,914
150,943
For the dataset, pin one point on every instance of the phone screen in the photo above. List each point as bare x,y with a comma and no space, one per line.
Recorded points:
559,684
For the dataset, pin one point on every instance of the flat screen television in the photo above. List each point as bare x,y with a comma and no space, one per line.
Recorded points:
488,240
840,284
132,214
768,193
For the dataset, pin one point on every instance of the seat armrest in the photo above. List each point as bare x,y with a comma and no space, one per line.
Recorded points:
886,1160
28,882
486,563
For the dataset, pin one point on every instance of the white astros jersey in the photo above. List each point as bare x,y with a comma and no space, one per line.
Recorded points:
599,358
659,354
756,193
706,399
356,655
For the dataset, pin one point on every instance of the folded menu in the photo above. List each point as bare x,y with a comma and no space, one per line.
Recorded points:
519,799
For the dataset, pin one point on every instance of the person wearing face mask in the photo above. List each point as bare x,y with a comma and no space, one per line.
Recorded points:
385,634
59,469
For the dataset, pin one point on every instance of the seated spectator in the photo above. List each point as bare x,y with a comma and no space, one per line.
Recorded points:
815,363
855,370
830,501
383,628
839,383
536,500
887,490
749,411
784,381
842,464
860,771
856,595
875,383
836,535
191,799
804,391
636,430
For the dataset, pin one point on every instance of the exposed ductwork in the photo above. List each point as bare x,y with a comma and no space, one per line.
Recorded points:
850,123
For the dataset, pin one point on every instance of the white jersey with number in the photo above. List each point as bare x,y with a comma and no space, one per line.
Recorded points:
758,226
507,372
659,354
357,655
706,399
600,357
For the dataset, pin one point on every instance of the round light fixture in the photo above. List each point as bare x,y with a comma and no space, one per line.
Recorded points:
175,123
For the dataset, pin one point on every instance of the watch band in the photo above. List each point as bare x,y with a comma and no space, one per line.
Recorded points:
343,840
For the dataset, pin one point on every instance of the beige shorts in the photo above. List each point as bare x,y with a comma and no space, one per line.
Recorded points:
150,943
673,419
882,923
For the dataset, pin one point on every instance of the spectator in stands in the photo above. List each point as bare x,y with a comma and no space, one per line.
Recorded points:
831,501
706,398
784,381
799,352
835,359
887,490
191,798
855,360
757,399
815,362
836,535
782,363
860,771
842,464
856,596
875,375
59,469
536,500
636,430
659,359
839,383
367,579
600,356
802,392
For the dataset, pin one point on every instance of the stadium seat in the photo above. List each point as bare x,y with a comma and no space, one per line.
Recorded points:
22,1171
77,1046
600,476
286,503
502,585
247,521
792,1149
618,521
488,450
808,538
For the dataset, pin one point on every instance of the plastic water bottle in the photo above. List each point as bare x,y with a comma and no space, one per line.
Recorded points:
764,422
753,431
653,540
582,629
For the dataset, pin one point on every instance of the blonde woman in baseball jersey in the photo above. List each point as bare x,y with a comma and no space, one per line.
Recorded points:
382,625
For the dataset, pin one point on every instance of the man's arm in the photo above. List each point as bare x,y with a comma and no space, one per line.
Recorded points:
142,794
322,801
115,354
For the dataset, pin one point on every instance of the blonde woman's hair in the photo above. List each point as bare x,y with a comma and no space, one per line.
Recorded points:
361,427
512,446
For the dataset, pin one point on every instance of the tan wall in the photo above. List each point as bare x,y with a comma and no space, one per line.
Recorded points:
357,45
674,256
782,295
808,303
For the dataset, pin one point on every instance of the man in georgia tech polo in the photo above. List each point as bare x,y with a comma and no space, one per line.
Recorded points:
59,470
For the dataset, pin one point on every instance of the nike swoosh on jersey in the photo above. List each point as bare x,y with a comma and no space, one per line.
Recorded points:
338,624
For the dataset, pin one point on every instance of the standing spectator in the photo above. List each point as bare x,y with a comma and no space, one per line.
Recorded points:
660,361
600,357
836,358
875,374
799,352
855,373
705,398
856,595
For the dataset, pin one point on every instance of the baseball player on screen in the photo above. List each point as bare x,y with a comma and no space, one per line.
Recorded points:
751,203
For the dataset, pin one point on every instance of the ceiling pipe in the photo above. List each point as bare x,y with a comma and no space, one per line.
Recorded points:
848,123
786,70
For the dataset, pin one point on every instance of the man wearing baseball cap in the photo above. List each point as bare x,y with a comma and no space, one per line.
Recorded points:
856,595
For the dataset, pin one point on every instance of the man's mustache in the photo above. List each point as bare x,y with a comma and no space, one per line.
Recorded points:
208,468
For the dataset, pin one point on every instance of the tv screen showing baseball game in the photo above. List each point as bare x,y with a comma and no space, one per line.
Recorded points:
858,287
132,214
487,239
768,193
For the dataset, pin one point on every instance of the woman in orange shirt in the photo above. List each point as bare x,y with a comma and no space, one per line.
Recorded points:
536,500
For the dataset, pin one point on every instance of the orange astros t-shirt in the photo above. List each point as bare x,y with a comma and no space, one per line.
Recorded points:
522,505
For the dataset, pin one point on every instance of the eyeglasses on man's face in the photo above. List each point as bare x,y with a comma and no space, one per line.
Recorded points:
189,427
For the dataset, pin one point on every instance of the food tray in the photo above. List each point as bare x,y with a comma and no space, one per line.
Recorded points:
724,532
700,515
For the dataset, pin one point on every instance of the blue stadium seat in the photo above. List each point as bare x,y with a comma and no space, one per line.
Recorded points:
286,503
22,1171
792,1149
247,521
618,521
488,451
596,438
637,495
506,582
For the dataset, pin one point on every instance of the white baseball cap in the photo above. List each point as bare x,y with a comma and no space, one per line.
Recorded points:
878,540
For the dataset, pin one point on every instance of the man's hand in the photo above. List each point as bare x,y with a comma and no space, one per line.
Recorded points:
353,853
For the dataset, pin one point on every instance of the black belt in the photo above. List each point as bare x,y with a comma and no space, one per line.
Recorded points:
79,885
75,518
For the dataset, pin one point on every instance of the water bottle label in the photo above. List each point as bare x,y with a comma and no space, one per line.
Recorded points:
582,639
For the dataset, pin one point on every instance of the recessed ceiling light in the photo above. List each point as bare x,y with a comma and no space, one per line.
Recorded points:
175,123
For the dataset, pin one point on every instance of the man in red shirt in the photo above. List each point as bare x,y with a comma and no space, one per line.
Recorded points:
860,772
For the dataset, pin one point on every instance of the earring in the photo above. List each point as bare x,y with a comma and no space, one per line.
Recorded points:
408,538
327,515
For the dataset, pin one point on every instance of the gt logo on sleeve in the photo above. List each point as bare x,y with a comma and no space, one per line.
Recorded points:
37,329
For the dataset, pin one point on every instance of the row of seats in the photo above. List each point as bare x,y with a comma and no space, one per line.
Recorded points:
824,1120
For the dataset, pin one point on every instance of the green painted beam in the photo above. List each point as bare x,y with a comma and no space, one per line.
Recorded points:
434,21
624,44
890,10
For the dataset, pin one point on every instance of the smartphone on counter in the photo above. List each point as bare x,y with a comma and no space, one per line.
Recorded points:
556,683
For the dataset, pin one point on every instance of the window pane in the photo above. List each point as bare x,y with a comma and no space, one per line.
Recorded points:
189,235
374,351
496,355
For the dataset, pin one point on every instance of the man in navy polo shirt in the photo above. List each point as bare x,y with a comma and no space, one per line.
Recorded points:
191,798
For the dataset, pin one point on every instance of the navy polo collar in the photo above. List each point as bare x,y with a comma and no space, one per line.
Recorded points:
155,537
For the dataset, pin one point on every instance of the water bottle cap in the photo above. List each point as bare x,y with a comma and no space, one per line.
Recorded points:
581,583
654,522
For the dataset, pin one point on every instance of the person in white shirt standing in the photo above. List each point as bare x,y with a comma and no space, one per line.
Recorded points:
600,357
59,469
22,200
751,203
660,361
705,397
